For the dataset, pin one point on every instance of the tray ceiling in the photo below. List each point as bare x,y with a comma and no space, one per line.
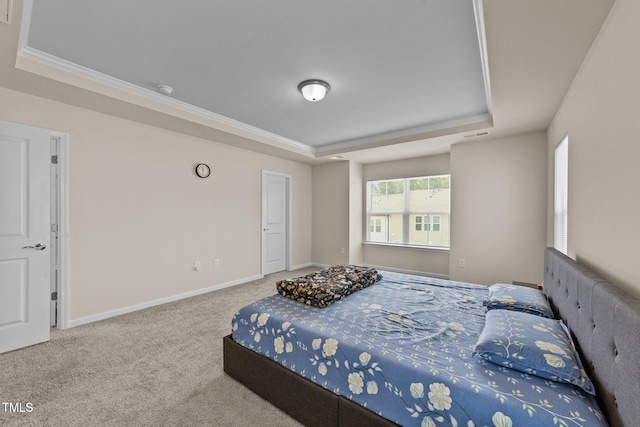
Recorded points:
407,78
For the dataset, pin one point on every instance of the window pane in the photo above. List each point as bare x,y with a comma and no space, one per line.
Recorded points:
387,196
395,228
429,193
418,194
412,211
435,231
561,198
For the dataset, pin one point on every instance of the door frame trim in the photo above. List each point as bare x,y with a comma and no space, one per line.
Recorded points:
288,192
63,227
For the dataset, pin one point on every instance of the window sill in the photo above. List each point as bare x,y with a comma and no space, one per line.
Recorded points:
401,246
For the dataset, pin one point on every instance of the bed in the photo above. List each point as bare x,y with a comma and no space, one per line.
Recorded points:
454,386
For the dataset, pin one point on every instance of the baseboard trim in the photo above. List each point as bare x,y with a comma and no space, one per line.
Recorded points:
395,270
130,309
414,272
315,264
298,267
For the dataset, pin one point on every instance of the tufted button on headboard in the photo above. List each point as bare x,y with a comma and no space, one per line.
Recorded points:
605,324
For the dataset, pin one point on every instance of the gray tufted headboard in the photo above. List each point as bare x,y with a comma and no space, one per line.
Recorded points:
605,323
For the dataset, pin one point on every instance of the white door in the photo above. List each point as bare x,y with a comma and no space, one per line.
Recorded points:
275,208
24,236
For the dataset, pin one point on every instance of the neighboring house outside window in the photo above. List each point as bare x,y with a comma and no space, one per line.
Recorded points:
428,223
409,211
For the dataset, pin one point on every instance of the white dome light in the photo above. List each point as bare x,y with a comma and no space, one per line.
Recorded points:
313,90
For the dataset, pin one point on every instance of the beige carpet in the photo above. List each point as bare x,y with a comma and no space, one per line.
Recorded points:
156,367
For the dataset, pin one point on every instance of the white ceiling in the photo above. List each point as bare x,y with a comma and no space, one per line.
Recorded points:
407,78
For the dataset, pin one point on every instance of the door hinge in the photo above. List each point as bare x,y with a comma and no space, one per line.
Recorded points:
54,296
54,160
54,228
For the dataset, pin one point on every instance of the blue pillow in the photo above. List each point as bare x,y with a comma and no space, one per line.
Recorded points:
518,298
532,344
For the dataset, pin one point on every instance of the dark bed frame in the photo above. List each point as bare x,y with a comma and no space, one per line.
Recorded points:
604,320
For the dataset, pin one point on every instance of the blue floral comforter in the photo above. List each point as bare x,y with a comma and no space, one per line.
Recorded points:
402,348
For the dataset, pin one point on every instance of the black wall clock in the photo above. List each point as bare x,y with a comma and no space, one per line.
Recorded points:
203,170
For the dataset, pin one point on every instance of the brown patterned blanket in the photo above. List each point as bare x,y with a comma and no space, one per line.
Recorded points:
328,285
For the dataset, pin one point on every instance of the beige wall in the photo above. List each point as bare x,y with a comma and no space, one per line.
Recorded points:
601,114
337,213
419,261
331,203
498,209
417,166
139,217
356,213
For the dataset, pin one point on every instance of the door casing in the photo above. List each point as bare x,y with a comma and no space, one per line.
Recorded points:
62,217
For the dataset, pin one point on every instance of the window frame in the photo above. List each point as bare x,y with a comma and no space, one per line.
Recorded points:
561,196
406,214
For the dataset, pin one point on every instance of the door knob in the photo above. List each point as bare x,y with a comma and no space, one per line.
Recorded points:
38,247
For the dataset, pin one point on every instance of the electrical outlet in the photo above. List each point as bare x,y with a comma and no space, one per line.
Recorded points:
461,262
216,263
342,251
196,266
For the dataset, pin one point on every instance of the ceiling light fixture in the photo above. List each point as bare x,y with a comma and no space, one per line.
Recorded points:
314,90
165,90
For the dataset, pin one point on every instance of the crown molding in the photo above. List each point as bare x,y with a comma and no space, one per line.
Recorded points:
87,78
55,68
466,124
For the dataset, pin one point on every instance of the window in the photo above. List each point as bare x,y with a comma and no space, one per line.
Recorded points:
409,211
436,223
428,223
560,217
